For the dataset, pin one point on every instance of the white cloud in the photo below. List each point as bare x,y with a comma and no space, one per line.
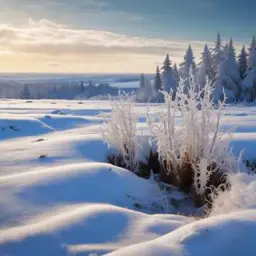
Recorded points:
41,43
47,37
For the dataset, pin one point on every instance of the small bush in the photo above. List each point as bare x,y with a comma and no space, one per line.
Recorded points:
195,156
120,132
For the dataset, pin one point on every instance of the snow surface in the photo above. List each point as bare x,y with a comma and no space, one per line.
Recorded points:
60,197
222,235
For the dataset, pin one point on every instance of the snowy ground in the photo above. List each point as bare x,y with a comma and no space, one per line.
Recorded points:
58,196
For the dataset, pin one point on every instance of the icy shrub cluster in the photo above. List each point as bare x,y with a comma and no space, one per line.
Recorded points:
194,156
120,132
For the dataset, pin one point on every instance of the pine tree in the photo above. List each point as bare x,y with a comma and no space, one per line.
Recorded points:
254,59
54,90
233,72
225,51
145,92
176,73
206,66
142,81
217,53
249,83
90,85
169,83
228,77
251,52
167,64
158,80
242,62
231,49
82,88
188,64
25,93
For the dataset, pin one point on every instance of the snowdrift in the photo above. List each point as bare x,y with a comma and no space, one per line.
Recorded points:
17,126
231,234
59,197
85,229
87,182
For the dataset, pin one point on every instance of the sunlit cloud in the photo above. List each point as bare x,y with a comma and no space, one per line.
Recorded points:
51,38
57,42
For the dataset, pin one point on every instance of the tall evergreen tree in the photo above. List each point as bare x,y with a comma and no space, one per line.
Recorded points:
251,52
167,65
54,89
231,49
207,62
158,80
217,53
234,74
142,81
254,59
242,62
169,83
187,68
25,93
228,77
82,87
225,51
205,69
188,64
176,73
145,92
249,83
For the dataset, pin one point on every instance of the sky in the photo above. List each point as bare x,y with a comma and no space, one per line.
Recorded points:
115,36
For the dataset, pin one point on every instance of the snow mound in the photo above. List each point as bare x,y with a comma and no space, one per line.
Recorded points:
18,126
85,229
64,122
240,196
57,148
86,182
58,197
232,234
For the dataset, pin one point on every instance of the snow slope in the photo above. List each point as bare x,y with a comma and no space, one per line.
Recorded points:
58,196
223,235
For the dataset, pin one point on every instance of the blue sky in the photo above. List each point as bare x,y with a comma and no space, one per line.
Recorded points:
191,19
195,21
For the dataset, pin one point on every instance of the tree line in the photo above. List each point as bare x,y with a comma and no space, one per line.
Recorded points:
231,76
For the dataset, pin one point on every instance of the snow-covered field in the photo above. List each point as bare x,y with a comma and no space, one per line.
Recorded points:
58,196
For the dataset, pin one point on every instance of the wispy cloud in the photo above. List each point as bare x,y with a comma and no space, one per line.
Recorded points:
44,44
47,37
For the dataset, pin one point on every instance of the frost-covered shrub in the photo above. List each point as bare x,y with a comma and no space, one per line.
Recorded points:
168,144
192,155
120,132
196,156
